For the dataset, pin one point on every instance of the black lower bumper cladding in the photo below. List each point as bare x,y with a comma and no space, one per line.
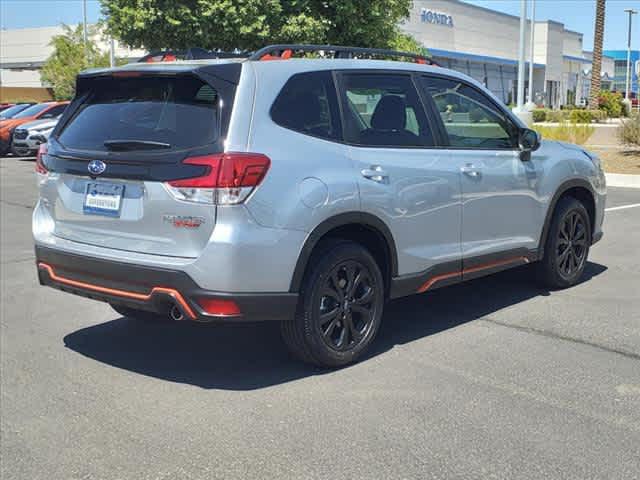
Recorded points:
153,289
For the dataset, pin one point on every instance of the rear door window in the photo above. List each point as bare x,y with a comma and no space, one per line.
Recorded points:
172,112
308,104
383,110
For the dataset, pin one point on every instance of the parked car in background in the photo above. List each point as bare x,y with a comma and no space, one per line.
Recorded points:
4,106
40,111
27,138
13,110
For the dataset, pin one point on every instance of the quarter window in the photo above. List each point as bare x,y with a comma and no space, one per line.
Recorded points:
308,104
384,110
470,118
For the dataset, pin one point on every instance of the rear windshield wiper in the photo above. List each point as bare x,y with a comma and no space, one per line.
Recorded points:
122,145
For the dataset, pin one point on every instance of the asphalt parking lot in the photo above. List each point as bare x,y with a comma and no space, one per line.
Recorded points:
492,379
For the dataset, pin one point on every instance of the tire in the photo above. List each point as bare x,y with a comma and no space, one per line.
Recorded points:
567,245
340,307
139,314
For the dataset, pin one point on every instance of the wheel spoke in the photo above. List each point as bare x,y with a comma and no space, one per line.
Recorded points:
336,286
362,310
563,256
353,331
325,317
365,298
330,327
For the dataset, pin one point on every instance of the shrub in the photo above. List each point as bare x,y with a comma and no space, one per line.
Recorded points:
539,115
611,102
566,132
557,116
629,131
580,116
598,116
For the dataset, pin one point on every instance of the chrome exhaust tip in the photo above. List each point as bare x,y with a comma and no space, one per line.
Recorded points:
176,314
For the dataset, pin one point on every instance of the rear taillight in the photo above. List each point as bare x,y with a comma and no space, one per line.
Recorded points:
40,167
227,179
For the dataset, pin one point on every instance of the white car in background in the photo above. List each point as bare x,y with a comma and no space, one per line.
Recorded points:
28,137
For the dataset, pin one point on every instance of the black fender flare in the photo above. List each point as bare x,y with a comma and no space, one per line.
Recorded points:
366,220
560,191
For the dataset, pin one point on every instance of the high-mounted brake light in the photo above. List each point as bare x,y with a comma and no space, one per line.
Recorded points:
40,167
225,179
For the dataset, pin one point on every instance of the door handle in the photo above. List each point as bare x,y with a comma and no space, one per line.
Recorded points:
375,173
471,170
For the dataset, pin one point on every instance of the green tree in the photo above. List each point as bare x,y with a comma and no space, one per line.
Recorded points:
69,58
251,24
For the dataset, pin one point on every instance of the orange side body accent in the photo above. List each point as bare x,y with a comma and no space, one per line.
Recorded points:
429,283
177,296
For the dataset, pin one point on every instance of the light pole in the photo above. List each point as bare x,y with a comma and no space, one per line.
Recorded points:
520,111
84,26
627,77
530,103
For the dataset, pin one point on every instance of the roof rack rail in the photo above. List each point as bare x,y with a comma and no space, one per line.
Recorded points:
285,51
193,53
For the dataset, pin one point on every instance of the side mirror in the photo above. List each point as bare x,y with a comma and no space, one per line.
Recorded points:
529,140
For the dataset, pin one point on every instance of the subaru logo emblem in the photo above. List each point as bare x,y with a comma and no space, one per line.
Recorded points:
96,167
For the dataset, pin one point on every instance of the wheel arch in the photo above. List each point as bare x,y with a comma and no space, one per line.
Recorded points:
577,188
363,228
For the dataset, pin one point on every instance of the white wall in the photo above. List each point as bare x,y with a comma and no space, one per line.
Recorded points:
32,45
475,30
20,78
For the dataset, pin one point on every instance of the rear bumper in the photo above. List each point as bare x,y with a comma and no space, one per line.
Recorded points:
153,289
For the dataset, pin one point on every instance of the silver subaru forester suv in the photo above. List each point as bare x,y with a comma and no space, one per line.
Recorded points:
304,190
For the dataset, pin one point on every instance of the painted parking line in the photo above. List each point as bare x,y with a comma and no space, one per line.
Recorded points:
622,207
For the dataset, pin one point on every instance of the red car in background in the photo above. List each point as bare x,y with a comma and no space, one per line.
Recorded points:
39,111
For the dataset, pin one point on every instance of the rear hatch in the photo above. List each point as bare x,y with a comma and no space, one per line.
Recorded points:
126,136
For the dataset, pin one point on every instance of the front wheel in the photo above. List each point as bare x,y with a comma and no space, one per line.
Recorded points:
340,310
567,245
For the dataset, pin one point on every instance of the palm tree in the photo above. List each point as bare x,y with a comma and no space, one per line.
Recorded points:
597,55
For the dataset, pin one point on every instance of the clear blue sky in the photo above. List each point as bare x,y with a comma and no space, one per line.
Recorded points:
575,14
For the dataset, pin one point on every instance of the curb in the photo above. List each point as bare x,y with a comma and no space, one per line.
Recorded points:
622,180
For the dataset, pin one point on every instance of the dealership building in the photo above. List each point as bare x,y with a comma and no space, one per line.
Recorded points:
483,43
480,42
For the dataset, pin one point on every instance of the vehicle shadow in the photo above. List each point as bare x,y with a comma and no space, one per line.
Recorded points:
252,356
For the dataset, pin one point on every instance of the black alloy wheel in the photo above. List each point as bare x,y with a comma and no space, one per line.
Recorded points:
567,245
571,248
340,307
347,305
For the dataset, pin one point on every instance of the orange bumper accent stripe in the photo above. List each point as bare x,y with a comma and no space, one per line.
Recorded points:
429,283
177,296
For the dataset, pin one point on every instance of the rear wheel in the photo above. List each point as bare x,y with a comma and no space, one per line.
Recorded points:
340,308
567,245
138,314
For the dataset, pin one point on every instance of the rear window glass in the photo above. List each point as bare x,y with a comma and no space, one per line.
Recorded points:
32,110
179,111
11,111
